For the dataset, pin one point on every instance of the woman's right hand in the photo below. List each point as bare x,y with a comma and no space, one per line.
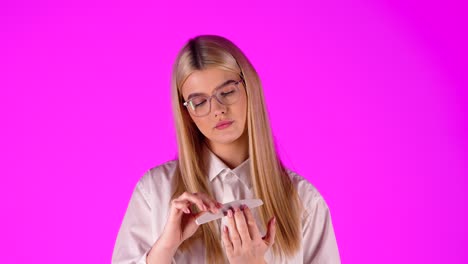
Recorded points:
181,223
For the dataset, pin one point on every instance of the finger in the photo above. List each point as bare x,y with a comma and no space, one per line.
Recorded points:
251,224
271,233
213,205
203,201
241,225
233,234
183,206
227,242
196,199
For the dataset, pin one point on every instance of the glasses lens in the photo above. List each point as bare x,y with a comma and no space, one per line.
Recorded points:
228,94
199,105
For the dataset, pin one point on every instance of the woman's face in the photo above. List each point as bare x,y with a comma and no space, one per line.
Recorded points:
224,124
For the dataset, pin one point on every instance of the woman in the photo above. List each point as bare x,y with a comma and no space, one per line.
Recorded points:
225,153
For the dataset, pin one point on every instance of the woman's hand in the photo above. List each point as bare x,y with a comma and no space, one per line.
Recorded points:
181,223
242,239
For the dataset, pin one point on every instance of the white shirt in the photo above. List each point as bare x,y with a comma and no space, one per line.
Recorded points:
148,210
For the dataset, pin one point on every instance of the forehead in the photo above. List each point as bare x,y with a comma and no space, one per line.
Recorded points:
205,81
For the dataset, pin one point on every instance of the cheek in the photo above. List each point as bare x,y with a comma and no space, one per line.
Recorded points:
243,108
201,124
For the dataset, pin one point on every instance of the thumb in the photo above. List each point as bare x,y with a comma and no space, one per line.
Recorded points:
269,238
193,217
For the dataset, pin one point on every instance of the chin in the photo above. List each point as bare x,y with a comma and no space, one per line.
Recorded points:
225,139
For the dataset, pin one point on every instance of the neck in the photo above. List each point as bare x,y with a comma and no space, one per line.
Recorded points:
231,154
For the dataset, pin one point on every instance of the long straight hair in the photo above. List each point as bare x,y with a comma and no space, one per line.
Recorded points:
270,179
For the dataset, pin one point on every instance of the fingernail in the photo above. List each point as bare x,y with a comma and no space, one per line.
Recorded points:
274,220
230,213
204,208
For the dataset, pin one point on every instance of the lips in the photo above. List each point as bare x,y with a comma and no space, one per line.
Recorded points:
223,124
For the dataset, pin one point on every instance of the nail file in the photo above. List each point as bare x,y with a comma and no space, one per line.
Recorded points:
208,216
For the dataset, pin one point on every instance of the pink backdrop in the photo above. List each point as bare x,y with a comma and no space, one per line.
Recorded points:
367,100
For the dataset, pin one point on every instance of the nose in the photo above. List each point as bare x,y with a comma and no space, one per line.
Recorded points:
217,108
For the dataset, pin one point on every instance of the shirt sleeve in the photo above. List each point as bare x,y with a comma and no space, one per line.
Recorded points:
134,239
319,237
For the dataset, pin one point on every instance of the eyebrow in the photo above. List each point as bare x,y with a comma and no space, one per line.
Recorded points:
217,87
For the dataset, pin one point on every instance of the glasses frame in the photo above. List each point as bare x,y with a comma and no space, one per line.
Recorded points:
186,103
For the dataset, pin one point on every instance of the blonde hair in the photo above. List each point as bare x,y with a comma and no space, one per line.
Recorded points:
270,179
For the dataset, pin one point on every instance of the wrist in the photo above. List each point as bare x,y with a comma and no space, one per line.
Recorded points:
166,242
162,246
262,261
161,252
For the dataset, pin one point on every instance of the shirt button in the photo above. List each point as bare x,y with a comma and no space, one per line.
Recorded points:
230,177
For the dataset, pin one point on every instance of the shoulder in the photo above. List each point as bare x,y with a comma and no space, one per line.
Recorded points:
306,190
158,179
310,197
161,173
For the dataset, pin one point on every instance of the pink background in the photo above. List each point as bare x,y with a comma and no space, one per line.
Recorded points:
367,99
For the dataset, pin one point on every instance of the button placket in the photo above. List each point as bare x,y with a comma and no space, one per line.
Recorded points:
228,186
228,194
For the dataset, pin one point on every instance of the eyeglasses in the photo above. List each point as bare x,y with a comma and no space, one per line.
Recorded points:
227,94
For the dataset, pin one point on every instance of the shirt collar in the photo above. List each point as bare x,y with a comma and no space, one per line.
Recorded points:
216,167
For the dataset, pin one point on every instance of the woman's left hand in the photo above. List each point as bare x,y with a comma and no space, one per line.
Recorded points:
242,240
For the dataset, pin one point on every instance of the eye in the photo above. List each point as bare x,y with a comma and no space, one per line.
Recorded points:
227,93
197,102
200,103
